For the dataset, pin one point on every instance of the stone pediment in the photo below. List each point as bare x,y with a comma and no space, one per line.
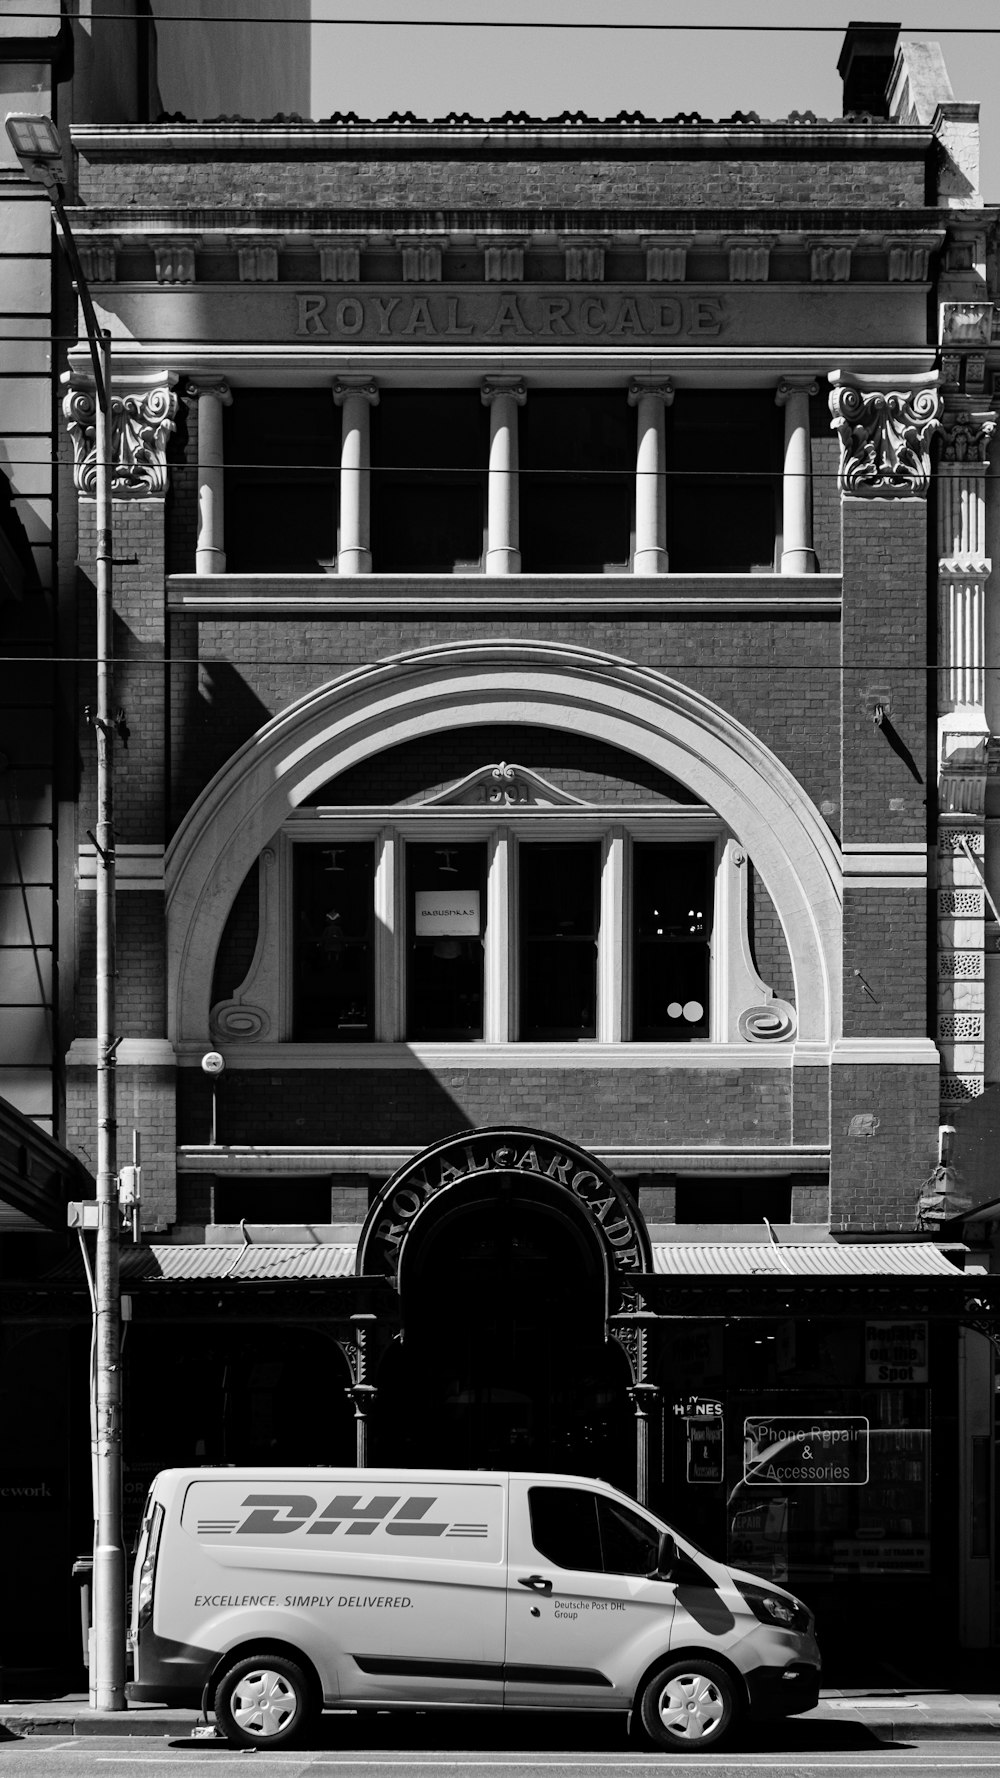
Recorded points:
503,786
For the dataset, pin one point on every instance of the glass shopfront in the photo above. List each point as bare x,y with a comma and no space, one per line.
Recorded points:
802,1450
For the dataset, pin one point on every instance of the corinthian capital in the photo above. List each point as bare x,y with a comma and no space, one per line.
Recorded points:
885,438
142,420
966,437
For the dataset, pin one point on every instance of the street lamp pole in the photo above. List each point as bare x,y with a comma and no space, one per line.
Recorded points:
37,145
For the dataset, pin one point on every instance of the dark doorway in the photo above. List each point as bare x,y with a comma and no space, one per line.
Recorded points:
220,1392
503,1362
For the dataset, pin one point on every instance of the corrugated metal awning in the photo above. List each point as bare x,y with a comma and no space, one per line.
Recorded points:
862,1259
246,1262
293,1262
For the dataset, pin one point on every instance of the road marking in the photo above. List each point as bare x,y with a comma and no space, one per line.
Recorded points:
531,1762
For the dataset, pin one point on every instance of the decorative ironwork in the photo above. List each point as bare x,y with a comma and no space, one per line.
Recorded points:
532,1157
885,439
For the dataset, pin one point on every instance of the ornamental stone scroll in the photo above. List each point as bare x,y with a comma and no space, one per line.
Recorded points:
142,420
885,437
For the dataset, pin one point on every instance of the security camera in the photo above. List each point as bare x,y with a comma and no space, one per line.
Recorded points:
213,1063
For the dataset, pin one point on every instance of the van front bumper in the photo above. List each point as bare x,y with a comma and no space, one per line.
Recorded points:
783,1691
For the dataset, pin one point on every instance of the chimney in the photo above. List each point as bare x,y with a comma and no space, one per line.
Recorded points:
865,66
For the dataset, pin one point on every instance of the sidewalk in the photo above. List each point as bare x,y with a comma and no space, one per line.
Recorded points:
887,1715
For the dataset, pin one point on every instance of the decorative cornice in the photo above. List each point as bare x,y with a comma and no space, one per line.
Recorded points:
141,423
515,134
649,228
885,437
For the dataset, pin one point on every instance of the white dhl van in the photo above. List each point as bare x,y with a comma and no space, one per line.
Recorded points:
269,1594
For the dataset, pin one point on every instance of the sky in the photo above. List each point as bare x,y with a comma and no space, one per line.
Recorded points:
374,71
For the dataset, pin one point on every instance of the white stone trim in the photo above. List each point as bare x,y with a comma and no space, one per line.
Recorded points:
909,1052
509,1058
376,707
228,1160
544,595
132,1052
884,865
136,867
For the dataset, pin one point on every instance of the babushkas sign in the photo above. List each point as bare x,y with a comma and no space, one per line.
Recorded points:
530,1155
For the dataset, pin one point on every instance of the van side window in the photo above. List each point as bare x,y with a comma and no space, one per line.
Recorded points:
628,1542
574,1529
564,1527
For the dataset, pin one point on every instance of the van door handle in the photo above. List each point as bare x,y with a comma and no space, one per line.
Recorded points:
537,1582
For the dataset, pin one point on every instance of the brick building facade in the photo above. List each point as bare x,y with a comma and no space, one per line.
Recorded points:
526,634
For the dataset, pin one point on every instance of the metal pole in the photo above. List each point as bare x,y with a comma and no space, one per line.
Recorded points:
107,1673
39,151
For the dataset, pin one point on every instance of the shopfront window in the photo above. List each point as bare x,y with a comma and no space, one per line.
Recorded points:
781,1450
445,905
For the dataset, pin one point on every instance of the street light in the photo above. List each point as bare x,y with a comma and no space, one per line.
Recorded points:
36,143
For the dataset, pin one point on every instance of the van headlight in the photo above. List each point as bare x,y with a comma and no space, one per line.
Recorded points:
775,1608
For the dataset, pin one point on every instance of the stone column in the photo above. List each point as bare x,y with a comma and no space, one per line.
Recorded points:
210,550
797,553
503,400
651,399
354,554
963,750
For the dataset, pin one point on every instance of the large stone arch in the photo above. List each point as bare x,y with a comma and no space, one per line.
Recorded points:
464,684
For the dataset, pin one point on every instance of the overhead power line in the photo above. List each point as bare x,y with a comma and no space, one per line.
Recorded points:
755,28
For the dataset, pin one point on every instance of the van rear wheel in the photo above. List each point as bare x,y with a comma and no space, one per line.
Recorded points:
689,1706
265,1699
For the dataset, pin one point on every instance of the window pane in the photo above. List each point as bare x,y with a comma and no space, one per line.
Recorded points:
446,903
333,907
629,1543
577,458
564,1527
282,449
429,453
672,922
558,918
724,485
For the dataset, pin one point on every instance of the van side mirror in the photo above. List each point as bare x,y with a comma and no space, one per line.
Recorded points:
666,1558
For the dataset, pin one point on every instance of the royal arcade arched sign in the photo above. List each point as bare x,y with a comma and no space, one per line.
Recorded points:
540,1166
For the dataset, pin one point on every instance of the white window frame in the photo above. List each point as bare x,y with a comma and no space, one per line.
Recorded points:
503,832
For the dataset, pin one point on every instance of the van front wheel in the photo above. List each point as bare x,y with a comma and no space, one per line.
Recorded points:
264,1699
689,1706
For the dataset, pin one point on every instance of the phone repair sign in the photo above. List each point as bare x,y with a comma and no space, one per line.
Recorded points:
805,1451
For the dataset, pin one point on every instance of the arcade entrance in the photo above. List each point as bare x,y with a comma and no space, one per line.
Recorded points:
503,1360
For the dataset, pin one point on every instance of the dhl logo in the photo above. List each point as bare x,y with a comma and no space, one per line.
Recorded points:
282,1514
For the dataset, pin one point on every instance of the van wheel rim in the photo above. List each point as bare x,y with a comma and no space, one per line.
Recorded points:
691,1707
263,1703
